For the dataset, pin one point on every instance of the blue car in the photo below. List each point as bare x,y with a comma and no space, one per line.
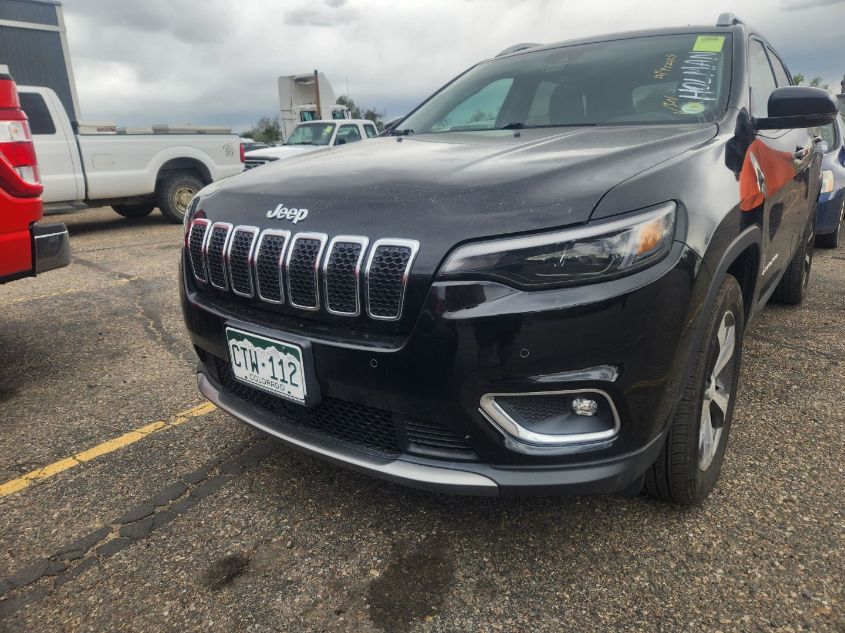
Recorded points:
832,198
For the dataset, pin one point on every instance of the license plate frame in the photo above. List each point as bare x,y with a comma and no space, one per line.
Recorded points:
256,361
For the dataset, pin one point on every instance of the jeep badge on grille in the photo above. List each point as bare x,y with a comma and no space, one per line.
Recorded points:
283,213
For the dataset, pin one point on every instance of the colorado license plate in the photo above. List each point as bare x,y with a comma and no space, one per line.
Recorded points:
268,364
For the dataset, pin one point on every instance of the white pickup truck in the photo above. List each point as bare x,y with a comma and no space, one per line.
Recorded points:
313,136
133,171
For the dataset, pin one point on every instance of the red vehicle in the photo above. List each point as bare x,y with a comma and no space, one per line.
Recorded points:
26,249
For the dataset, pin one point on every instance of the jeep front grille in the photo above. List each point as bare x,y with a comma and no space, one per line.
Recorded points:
341,272
268,265
215,248
302,266
387,275
239,256
196,240
304,270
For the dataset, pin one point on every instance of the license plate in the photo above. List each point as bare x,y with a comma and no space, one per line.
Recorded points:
273,366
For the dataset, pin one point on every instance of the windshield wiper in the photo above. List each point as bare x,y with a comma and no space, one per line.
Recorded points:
406,132
513,125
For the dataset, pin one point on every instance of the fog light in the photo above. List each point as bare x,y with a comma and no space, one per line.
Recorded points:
585,406
553,418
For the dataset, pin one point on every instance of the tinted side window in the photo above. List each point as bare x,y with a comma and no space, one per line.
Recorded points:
780,70
761,79
349,134
40,121
370,130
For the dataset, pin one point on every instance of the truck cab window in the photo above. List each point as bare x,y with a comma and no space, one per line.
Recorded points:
348,134
40,121
370,130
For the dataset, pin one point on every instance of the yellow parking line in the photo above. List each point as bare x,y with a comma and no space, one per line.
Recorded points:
68,291
16,485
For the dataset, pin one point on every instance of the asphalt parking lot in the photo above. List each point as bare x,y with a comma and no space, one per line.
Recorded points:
126,504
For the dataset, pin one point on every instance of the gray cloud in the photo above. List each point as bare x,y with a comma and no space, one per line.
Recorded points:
800,5
216,62
317,17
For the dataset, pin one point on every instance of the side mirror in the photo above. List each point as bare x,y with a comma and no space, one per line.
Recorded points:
798,107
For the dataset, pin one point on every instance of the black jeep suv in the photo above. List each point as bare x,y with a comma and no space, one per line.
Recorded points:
538,282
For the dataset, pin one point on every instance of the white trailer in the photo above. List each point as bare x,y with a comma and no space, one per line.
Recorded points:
307,97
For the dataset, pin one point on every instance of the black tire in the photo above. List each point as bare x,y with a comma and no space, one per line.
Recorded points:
830,240
175,192
686,472
792,287
134,210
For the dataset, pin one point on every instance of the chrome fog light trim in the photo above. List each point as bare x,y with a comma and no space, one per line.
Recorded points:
499,418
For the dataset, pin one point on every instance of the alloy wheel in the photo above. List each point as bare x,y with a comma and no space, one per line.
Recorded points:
717,393
183,197
808,255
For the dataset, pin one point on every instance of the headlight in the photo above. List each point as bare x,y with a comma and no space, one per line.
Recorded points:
827,181
571,256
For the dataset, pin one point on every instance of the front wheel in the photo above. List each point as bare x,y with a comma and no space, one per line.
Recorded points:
690,462
174,194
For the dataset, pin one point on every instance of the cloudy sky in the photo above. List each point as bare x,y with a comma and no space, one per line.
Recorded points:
139,62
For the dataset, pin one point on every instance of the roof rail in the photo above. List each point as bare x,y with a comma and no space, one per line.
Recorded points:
518,47
728,19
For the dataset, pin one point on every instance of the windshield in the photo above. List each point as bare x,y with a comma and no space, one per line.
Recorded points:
311,134
657,79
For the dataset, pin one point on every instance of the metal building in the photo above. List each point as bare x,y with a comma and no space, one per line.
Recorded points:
33,45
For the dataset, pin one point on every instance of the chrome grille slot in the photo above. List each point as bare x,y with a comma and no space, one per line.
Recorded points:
340,274
239,258
196,240
387,276
215,259
301,270
268,265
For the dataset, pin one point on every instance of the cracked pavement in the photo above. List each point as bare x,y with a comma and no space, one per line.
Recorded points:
207,525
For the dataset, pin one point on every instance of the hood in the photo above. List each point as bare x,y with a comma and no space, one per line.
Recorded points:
442,189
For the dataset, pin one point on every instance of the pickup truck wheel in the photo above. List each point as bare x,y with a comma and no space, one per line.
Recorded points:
690,462
792,288
174,194
134,210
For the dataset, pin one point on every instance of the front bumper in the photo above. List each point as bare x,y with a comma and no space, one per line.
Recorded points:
603,476
829,211
629,338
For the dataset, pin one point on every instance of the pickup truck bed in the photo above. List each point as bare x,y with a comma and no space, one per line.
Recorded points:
134,173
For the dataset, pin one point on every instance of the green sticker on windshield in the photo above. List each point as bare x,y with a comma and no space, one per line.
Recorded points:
709,44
